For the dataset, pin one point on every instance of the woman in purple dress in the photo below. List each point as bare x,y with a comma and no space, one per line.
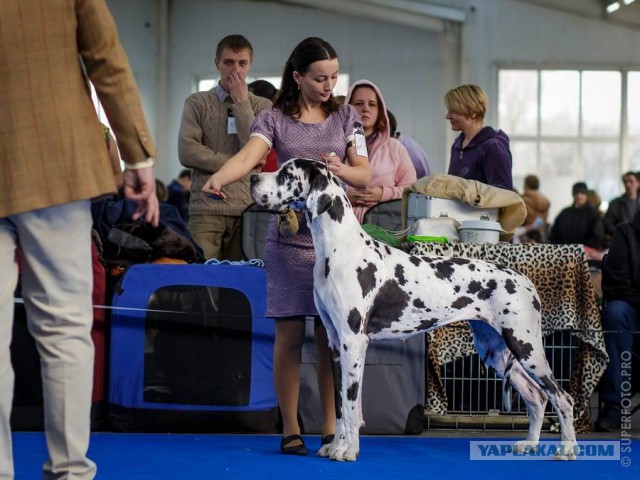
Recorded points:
305,121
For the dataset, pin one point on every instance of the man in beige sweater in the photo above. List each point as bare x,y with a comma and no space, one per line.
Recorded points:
216,125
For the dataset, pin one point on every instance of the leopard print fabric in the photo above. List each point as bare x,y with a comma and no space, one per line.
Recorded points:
561,276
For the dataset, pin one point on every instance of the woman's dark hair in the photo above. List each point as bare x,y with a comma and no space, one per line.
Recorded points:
308,51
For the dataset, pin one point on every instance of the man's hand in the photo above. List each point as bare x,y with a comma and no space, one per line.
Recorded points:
238,88
140,186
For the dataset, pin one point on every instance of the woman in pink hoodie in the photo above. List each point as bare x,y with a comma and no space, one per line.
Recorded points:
390,163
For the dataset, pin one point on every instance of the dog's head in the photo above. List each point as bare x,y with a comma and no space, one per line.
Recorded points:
299,183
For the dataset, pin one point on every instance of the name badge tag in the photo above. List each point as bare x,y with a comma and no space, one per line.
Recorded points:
231,126
359,140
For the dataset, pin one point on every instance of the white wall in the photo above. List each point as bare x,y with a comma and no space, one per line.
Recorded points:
501,33
413,67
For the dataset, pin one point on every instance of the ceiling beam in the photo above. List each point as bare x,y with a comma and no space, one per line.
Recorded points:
418,14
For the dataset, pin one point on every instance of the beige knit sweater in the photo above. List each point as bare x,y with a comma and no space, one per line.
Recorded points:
204,146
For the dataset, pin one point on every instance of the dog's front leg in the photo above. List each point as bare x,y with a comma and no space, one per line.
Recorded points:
352,353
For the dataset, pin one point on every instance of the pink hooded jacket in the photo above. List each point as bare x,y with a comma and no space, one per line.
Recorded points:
390,163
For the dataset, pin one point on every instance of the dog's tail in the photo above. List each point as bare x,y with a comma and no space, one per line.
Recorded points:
506,385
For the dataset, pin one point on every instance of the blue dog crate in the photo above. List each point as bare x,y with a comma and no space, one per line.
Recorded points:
191,350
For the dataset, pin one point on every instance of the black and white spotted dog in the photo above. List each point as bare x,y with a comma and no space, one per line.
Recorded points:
365,290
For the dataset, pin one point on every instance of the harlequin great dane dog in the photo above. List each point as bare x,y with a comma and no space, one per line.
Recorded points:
365,290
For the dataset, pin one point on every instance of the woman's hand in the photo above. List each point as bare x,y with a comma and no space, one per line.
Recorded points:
213,188
364,197
333,161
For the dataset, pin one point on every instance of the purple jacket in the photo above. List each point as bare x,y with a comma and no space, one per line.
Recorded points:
487,158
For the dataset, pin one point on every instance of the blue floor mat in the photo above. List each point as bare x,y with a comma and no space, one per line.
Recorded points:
195,457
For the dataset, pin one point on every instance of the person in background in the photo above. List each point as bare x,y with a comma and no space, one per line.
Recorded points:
214,126
304,122
161,191
416,152
265,89
535,223
391,166
593,199
480,152
623,208
579,223
55,134
179,191
620,320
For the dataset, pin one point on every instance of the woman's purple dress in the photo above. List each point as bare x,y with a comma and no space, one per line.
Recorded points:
289,260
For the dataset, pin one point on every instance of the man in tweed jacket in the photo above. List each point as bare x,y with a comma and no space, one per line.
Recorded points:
53,160
216,125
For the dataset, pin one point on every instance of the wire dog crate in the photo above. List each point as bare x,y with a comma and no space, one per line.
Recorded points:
474,390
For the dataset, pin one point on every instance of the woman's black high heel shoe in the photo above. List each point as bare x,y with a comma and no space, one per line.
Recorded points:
299,449
327,439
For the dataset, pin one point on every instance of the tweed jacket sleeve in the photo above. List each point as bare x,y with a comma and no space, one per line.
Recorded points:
108,68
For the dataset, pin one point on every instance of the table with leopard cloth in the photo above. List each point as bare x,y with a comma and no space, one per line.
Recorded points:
561,275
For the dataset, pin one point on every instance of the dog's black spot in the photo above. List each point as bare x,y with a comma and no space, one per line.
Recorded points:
506,311
521,350
337,380
352,391
549,384
367,278
536,304
324,203
461,302
486,292
532,367
476,288
336,212
460,261
444,269
415,260
456,289
418,303
326,267
472,267
510,286
387,249
387,307
354,320
400,274
426,324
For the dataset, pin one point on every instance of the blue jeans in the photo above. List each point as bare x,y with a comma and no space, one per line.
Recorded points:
619,321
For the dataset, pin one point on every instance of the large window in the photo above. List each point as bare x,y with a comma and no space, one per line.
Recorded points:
571,125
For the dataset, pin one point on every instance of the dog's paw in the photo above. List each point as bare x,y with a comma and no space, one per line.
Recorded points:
347,454
525,446
324,451
339,451
567,451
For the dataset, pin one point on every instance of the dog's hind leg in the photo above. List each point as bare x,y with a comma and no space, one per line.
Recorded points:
538,368
492,349
526,345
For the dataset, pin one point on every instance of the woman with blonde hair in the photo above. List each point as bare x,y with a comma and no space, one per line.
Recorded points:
480,152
